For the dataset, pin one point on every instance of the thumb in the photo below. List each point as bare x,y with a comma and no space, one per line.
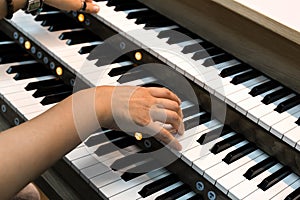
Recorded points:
91,7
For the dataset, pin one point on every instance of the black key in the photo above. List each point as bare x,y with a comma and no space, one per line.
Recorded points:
197,47
178,38
134,15
227,143
55,89
239,153
14,57
241,78
295,195
31,71
74,34
24,68
132,75
234,70
260,168
168,33
55,98
275,178
175,193
4,37
129,6
80,37
129,160
87,49
214,134
43,84
8,47
288,104
207,53
115,145
64,25
298,122
107,59
49,16
120,70
107,136
140,170
197,120
159,23
274,96
192,110
260,89
147,18
217,60
196,197
157,185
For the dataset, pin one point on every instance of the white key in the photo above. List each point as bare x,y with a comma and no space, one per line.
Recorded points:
285,125
292,137
121,185
133,192
163,191
274,117
221,169
247,187
284,193
261,110
235,177
197,152
209,160
275,189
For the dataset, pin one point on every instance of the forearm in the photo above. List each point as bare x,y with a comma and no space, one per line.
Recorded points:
18,4
30,148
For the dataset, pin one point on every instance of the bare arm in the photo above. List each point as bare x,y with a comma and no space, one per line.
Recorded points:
30,148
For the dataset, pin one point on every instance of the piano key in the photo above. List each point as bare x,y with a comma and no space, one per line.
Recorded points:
209,160
226,143
274,178
235,177
271,192
198,151
292,136
213,134
158,185
234,70
121,186
274,96
261,110
175,193
268,120
245,77
221,169
288,104
133,192
288,190
247,187
294,195
238,153
259,168
287,124
264,88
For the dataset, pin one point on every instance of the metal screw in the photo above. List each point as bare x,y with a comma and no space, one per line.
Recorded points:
122,45
147,144
199,186
16,121
3,108
211,195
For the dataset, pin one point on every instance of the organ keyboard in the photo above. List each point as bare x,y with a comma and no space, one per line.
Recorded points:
260,109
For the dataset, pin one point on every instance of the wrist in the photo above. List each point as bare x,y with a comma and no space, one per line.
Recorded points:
103,97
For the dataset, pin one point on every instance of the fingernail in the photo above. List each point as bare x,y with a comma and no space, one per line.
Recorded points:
96,8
